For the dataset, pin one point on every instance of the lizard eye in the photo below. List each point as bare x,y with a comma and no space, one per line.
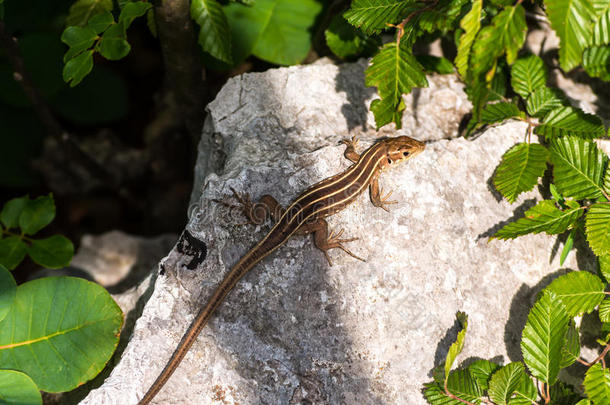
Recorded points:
405,153
389,161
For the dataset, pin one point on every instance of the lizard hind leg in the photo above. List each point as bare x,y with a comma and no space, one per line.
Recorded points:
259,212
325,240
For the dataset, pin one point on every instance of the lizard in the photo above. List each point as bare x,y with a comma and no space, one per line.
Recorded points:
303,216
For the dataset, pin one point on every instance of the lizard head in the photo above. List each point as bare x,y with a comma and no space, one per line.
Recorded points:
400,149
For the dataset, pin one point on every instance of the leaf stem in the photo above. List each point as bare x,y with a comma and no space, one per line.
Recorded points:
401,26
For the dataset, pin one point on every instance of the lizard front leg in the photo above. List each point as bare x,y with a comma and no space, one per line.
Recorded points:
325,241
377,198
350,152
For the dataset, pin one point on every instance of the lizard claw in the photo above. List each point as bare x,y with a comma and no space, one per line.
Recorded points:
383,200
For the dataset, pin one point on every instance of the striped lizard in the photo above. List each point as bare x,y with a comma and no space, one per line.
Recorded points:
305,215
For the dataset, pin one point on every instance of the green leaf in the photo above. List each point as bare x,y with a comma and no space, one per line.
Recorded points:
470,23
527,75
570,121
505,381
114,45
604,310
543,217
435,64
580,291
78,39
481,371
570,352
510,23
347,42
597,384
567,247
596,61
133,10
563,394
12,251
12,210
584,402
439,18
498,112
394,71
82,10
151,23
457,346
435,395
373,16
604,266
543,337
577,167
525,393
601,28
18,389
542,100
37,214
214,35
100,22
60,331
571,20
461,384
7,292
77,68
53,252
520,169
277,31
598,228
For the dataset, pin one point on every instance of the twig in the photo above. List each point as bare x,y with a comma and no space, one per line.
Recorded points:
401,26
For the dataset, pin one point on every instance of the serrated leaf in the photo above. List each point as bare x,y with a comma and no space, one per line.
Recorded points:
598,228
133,10
435,395
8,288
481,371
580,291
597,384
435,64
520,168
12,251
17,388
511,24
604,266
347,42
394,71
457,346
527,75
461,384
214,36
596,61
571,20
12,210
470,23
53,252
505,381
441,17
61,331
100,22
601,28
543,217
563,394
498,112
543,337
570,352
82,10
543,99
604,310
114,45
485,52
577,167
37,214
567,247
373,16
525,393
77,68
78,39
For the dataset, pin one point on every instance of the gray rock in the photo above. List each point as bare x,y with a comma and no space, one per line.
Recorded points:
296,330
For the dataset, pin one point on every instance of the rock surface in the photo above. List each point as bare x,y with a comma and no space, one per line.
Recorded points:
296,330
